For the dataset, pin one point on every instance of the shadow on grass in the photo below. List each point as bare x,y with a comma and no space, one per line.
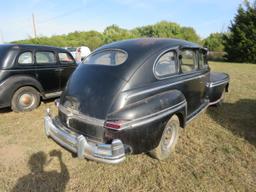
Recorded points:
239,117
39,180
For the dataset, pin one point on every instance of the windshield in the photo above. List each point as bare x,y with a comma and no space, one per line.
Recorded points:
107,57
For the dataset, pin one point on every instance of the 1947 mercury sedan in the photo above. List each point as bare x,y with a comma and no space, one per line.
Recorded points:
133,96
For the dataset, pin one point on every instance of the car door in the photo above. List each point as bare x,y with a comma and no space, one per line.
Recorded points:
67,66
194,78
24,63
47,70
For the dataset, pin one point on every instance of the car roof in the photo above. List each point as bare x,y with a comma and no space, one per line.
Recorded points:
140,50
30,46
152,43
10,51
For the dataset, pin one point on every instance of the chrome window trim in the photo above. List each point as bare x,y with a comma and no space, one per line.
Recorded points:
157,59
162,87
195,50
107,49
47,63
25,51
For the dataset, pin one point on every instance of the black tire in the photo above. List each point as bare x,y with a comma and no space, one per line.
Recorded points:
168,140
25,99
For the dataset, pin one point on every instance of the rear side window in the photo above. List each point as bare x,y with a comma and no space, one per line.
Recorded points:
107,57
25,58
44,57
65,58
166,64
188,61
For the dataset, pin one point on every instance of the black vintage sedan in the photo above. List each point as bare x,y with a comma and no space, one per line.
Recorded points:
29,73
133,96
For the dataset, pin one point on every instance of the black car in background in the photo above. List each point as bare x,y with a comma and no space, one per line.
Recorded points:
133,96
29,73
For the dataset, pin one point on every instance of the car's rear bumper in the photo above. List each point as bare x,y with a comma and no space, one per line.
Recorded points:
107,153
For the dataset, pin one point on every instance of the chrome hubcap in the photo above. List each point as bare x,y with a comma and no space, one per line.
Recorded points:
169,136
26,100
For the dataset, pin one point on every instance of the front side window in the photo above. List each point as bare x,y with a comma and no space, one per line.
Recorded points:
25,58
65,58
107,57
166,64
44,57
202,60
188,61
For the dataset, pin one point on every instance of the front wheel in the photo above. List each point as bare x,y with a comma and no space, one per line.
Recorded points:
168,140
25,99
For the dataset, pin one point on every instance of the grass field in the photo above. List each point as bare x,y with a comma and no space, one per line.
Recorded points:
216,152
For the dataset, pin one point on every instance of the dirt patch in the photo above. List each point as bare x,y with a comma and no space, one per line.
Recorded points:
12,154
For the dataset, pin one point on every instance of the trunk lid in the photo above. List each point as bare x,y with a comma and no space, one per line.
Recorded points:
90,92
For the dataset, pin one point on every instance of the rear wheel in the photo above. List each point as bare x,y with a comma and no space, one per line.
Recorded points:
25,99
168,140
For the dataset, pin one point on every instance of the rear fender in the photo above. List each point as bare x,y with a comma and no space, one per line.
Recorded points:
154,107
145,120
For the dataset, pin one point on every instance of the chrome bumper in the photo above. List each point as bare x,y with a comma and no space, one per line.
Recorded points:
106,153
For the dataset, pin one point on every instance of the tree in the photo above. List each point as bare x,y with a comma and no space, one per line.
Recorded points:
240,42
115,33
214,42
167,29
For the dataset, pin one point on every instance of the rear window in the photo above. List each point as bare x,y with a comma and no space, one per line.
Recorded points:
107,57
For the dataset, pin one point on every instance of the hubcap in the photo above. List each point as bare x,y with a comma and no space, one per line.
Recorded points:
169,136
26,100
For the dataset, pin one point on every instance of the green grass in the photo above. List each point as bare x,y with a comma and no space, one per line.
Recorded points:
216,152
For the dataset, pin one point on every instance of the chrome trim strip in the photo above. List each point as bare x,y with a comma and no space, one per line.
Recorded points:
199,112
151,117
217,101
84,118
162,87
161,115
214,84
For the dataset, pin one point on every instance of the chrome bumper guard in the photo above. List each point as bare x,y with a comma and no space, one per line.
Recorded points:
106,153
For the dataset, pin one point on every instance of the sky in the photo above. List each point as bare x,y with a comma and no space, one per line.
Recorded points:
54,17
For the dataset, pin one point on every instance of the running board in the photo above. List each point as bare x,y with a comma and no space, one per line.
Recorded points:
201,109
52,95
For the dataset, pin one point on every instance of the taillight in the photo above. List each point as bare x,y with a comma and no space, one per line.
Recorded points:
113,124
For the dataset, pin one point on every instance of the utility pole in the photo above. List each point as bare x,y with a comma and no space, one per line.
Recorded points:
34,24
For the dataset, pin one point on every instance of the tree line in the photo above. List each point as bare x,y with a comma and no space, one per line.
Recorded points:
238,44
94,39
